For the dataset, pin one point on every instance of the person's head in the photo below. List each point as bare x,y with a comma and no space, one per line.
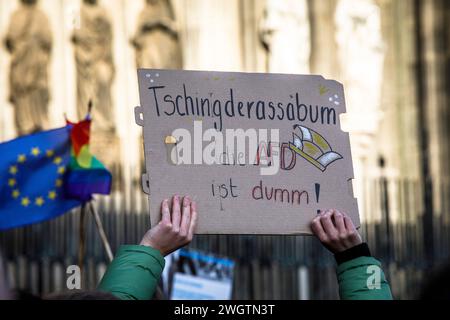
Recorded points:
23,296
81,295
29,2
438,285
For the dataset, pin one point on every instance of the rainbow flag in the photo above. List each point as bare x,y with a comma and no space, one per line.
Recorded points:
49,173
86,175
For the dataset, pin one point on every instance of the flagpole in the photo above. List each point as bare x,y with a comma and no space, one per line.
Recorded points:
101,231
82,230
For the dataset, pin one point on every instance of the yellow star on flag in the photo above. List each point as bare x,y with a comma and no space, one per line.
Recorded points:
52,195
50,153
15,194
61,170
21,158
25,202
39,201
58,183
13,169
12,182
35,151
57,160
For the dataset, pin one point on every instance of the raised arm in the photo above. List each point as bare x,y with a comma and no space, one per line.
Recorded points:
135,271
360,276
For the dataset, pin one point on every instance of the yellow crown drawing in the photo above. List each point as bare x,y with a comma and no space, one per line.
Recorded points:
313,147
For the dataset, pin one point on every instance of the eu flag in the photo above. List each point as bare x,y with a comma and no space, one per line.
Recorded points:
33,169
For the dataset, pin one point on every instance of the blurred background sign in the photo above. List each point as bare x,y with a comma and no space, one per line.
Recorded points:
194,275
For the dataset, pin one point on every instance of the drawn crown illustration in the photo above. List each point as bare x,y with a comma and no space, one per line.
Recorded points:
313,147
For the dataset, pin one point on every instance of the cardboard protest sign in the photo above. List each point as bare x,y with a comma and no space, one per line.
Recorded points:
260,153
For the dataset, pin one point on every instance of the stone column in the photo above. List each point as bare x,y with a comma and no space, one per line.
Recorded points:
360,54
434,66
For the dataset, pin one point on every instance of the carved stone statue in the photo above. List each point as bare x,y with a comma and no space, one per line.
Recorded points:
361,51
29,42
284,33
156,40
94,64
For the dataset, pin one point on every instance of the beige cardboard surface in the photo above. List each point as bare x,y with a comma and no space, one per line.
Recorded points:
233,195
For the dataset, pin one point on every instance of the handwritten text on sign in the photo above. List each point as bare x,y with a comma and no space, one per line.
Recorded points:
261,153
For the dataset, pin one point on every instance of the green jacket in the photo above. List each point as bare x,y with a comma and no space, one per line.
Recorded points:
362,279
134,273
136,270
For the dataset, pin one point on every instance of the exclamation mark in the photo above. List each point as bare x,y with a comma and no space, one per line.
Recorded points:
317,189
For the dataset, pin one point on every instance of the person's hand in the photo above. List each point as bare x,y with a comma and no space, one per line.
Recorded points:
175,229
335,230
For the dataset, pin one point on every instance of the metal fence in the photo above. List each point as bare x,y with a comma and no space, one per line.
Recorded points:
268,267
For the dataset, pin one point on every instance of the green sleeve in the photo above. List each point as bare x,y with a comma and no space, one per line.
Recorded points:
134,273
362,279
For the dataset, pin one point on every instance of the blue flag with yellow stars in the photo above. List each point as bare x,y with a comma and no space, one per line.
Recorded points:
32,171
